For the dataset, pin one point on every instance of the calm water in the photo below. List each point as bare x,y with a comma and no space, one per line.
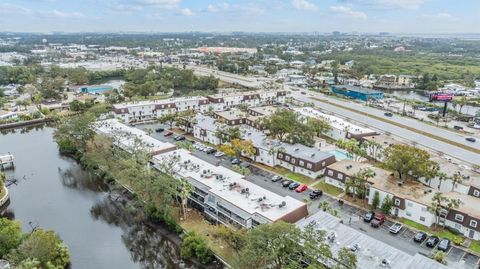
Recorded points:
102,230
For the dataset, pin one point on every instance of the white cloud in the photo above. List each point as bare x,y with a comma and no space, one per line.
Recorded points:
186,12
168,4
348,11
440,16
218,7
125,9
13,9
304,5
61,14
388,4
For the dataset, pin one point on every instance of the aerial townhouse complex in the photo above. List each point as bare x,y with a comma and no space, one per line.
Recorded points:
340,128
149,110
223,195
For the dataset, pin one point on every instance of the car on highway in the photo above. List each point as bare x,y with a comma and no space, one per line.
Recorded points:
159,130
276,178
378,220
395,228
369,216
286,183
458,128
432,241
444,244
293,185
471,139
219,154
315,194
179,138
420,237
168,134
301,188
235,161
388,114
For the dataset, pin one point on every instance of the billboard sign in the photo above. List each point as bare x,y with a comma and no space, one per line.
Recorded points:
441,97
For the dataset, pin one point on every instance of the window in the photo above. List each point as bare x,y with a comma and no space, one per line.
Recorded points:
473,223
409,204
287,158
293,160
424,209
458,217
422,219
340,176
330,173
458,226
397,202
323,164
280,155
309,165
409,214
301,163
476,193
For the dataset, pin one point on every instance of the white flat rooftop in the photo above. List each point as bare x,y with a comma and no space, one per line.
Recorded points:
189,166
128,138
335,122
372,251
158,102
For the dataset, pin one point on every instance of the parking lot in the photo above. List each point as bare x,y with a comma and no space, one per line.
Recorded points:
353,216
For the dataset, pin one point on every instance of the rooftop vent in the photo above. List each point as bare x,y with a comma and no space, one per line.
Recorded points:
282,204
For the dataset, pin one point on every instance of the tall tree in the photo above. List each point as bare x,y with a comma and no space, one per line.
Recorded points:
409,161
237,147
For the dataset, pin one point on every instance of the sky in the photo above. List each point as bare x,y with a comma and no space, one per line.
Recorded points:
395,16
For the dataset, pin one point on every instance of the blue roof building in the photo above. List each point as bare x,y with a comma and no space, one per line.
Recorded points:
356,92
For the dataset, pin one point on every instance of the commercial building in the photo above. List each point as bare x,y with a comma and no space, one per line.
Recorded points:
131,139
340,128
370,252
224,196
356,92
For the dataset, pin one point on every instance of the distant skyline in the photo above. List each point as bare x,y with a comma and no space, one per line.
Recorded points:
395,16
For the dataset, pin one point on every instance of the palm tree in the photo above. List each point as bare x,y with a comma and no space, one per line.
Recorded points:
456,179
360,180
437,206
441,177
273,151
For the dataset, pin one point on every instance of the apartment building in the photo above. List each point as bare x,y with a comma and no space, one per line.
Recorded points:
338,173
150,110
222,101
411,200
341,128
230,117
224,196
206,128
256,113
131,139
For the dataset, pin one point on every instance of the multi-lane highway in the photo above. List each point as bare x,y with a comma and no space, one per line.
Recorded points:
426,141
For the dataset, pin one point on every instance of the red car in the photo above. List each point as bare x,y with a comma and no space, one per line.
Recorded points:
301,188
378,220
168,134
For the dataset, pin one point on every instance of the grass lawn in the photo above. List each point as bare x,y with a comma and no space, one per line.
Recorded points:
415,225
332,190
300,178
475,246
195,222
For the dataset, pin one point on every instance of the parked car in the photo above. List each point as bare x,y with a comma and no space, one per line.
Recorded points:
396,228
369,216
471,139
210,150
388,114
378,220
276,178
168,134
432,241
235,161
159,130
458,128
245,164
444,244
179,138
420,237
315,194
287,183
301,188
219,154
293,185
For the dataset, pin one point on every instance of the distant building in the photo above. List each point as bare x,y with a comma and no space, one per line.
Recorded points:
356,92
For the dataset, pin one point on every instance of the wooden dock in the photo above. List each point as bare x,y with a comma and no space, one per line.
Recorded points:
6,161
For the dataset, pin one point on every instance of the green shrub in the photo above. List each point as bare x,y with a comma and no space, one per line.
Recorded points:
195,246
234,238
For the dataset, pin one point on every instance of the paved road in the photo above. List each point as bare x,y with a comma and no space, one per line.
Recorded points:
351,215
454,151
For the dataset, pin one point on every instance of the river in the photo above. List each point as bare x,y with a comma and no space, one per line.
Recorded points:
102,229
